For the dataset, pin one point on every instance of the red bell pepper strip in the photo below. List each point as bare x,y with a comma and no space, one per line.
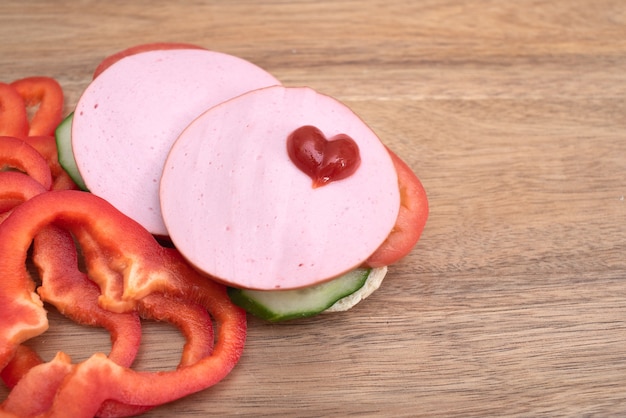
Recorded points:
21,402
15,188
111,381
46,95
192,319
196,326
25,359
75,296
17,154
46,145
63,284
66,287
17,98
123,258
22,312
13,116
139,270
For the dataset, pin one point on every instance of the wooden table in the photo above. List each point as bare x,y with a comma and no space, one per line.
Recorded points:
513,114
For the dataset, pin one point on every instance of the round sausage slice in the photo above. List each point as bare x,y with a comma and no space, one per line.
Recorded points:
130,115
239,209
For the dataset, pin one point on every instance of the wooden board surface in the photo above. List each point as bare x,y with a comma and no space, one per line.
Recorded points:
513,114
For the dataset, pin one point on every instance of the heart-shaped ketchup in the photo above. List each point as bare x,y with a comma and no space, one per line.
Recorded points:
324,160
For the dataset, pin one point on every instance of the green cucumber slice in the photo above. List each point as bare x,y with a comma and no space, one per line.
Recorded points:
282,305
63,136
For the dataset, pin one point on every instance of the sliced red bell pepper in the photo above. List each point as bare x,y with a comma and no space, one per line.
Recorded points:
43,379
196,326
45,95
46,145
75,296
107,380
192,319
13,116
21,310
25,359
15,188
62,282
66,287
134,273
17,154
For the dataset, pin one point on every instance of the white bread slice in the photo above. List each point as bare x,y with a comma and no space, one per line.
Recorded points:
372,283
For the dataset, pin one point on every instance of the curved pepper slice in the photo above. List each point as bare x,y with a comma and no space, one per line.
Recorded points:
70,290
23,315
67,288
15,100
123,258
25,359
13,116
75,296
64,285
16,188
135,270
194,323
17,154
21,402
108,380
46,94
46,145
192,319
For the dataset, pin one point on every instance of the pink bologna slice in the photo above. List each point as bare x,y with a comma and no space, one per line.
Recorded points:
238,209
129,116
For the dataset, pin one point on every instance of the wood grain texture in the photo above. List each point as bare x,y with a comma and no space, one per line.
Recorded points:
513,114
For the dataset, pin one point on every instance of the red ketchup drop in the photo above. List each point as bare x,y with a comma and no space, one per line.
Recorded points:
324,160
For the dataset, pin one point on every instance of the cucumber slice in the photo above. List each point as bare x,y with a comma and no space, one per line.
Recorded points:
63,135
282,305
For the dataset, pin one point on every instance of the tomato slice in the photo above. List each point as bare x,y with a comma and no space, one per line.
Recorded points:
411,218
112,59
